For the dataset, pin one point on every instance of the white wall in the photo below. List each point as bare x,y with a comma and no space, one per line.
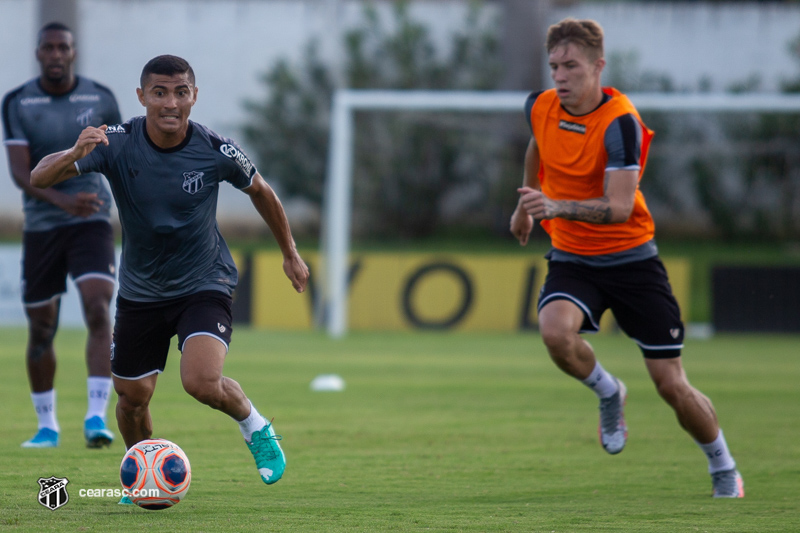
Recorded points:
689,40
230,43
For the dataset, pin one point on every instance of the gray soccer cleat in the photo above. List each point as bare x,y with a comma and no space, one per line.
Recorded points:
728,484
612,429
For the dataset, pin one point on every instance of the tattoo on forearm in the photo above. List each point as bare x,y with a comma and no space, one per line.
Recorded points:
596,211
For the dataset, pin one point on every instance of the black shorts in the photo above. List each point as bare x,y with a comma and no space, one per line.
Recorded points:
637,293
84,250
143,330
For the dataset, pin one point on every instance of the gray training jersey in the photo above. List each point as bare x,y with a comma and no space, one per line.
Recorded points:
167,201
46,124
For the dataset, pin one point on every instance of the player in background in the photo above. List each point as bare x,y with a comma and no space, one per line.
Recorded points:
177,275
582,169
66,231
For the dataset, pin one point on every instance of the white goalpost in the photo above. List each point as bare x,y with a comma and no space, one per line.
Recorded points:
338,187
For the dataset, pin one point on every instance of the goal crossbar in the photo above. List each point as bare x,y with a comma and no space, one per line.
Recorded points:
338,187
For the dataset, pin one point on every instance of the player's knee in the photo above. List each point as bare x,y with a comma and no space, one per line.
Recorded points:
95,309
40,337
97,319
204,391
557,340
672,390
132,404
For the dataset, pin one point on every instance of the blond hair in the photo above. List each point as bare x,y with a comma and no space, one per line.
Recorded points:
586,34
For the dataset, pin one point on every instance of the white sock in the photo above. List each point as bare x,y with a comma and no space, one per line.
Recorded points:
252,423
601,382
718,455
45,405
98,391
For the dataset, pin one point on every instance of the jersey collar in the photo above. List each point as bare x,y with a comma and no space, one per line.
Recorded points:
175,148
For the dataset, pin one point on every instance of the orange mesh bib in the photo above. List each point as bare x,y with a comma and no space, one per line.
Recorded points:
572,166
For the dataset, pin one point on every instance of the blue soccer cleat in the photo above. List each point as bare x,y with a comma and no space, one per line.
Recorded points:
270,460
44,438
97,436
125,501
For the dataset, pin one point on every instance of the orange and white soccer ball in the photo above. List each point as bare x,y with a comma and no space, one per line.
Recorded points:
155,474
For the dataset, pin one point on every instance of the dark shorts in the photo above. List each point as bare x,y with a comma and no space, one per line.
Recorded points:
83,251
143,330
637,293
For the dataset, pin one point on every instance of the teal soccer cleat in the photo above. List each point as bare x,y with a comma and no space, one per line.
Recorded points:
44,438
97,436
270,460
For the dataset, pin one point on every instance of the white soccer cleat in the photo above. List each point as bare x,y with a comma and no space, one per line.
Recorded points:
612,429
728,484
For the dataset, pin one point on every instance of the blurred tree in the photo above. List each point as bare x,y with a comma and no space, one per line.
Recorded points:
289,132
730,175
405,163
754,190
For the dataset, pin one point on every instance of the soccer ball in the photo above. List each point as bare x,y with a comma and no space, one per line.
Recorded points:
155,474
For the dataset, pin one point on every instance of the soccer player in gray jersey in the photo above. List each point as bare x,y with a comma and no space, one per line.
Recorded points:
177,275
66,230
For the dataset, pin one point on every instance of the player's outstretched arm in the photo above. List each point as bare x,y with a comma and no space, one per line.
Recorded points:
271,210
60,166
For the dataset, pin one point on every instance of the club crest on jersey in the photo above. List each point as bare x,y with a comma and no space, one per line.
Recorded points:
192,181
85,116
230,151
572,126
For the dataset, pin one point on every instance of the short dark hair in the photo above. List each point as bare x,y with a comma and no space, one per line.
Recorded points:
51,26
168,66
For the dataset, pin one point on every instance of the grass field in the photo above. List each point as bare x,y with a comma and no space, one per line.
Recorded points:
433,433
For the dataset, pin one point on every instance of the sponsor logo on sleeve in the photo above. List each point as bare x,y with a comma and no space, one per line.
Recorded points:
230,151
116,128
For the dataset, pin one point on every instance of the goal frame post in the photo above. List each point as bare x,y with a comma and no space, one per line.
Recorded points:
332,306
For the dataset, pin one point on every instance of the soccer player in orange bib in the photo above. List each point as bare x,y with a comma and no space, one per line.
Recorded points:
583,164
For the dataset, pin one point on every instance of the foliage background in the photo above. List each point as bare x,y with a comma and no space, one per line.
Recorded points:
733,176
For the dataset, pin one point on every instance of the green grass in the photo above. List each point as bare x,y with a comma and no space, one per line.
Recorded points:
434,432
